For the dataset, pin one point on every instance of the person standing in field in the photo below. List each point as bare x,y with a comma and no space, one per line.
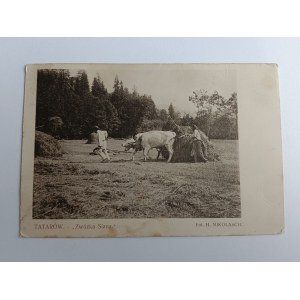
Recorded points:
199,147
102,136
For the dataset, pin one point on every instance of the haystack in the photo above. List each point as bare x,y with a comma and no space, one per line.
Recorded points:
183,149
46,145
92,138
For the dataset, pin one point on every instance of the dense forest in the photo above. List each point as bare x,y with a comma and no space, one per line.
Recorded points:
69,107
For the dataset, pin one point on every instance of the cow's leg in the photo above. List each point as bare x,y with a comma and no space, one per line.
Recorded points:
170,150
133,154
170,155
158,153
169,147
146,151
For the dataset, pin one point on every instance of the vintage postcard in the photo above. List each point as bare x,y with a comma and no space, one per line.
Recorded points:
120,150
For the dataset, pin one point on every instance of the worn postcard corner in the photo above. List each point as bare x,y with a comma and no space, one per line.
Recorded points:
117,150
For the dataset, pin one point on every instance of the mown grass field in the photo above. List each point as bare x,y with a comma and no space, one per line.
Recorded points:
79,186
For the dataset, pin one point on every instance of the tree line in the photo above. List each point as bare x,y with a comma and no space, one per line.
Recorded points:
69,107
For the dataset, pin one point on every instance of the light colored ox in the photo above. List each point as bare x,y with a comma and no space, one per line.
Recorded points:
151,139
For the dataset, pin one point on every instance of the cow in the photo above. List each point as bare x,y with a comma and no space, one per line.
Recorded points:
132,144
151,139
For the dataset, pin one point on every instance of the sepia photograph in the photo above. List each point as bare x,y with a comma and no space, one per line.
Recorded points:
136,144
150,149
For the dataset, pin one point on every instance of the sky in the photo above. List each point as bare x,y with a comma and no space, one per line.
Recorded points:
167,84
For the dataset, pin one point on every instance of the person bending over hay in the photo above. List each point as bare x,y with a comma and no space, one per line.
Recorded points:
199,151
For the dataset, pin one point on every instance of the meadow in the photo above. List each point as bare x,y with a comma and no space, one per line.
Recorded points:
78,186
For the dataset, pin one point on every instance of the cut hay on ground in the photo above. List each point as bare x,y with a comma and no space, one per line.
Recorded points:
92,139
46,145
79,187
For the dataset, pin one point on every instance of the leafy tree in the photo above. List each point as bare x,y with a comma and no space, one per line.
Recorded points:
148,125
162,115
216,116
208,107
233,107
187,120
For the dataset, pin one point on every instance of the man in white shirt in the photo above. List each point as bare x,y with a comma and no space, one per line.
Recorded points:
102,136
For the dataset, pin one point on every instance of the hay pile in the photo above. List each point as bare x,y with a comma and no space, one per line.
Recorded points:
46,145
183,149
92,139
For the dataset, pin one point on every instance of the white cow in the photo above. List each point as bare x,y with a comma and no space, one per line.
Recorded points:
151,139
132,144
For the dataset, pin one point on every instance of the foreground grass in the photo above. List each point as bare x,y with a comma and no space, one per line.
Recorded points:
79,186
